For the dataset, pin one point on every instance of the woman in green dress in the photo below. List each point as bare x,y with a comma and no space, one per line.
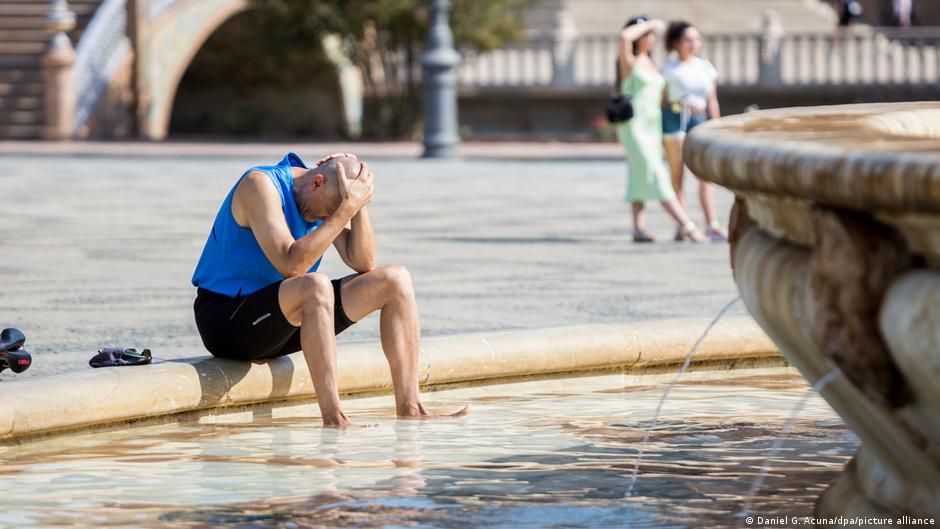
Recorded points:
642,136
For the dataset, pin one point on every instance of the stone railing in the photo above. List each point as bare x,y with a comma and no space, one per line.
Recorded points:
864,56
102,48
836,253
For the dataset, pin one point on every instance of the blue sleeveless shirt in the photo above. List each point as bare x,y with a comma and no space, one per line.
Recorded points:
232,262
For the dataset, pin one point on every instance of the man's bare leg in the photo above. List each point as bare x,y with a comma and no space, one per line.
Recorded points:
307,302
389,289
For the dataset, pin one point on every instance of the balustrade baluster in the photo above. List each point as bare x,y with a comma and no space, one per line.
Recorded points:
811,59
511,68
730,49
786,63
862,64
584,61
921,50
906,62
831,57
936,57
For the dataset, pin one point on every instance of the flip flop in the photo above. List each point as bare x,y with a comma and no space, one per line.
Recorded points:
120,356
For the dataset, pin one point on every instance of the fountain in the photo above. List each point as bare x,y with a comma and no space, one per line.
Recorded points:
835,247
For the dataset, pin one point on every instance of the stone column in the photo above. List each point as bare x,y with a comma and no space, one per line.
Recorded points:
770,46
58,82
350,83
563,47
138,31
440,85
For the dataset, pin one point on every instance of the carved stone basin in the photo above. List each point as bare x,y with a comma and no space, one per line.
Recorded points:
836,252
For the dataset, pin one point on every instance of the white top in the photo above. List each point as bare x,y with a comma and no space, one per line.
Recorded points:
690,82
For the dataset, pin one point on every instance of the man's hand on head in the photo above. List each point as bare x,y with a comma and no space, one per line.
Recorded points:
355,192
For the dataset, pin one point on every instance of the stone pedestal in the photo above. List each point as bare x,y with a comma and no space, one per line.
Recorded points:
59,89
58,82
835,250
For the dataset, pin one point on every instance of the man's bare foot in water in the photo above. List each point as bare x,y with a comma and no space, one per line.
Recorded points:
420,412
336,420
340,421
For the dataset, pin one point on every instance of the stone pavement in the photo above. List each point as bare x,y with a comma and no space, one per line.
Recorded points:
99,248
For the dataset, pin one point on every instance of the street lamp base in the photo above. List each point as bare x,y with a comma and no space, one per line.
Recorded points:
439,151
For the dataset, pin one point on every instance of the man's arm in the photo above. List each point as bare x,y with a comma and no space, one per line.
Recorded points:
258,204
356,246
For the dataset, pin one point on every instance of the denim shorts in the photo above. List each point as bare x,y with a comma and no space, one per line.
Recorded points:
674,124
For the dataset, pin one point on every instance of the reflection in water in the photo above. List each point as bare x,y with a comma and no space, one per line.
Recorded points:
537,454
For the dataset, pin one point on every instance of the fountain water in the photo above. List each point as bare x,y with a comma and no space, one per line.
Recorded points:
662,399
778,443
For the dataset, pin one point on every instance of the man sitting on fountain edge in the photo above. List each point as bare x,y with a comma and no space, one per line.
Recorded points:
260,295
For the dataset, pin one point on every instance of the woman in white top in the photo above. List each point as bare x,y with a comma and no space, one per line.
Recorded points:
691,97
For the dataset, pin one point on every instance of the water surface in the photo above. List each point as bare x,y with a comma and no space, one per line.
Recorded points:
536,454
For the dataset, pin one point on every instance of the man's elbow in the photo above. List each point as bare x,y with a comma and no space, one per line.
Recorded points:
291,272
363,265
290,265
291,269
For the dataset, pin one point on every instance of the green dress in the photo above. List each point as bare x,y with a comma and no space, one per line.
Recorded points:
648,177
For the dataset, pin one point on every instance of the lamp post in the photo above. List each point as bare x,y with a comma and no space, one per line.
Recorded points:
440,62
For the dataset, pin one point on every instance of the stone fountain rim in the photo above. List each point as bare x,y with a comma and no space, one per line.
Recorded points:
896,170
113,397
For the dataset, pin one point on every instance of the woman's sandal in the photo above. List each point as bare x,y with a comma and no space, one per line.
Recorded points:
716,233
690,232
642,236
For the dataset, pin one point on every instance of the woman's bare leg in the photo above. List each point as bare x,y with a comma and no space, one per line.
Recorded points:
639,216
687,228
706,195
673,148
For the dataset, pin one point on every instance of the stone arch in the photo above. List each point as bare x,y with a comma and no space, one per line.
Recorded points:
175,37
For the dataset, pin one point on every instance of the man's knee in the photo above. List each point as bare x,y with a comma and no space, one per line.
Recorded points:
318,291
398,279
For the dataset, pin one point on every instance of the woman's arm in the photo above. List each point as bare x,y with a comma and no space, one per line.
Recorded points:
713,109
625,56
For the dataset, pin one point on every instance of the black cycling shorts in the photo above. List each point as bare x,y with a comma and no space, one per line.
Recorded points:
253,327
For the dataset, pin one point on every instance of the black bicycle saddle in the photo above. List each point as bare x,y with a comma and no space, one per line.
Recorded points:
12,354
11,339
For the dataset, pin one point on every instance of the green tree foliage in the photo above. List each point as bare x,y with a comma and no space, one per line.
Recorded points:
477,24
385,39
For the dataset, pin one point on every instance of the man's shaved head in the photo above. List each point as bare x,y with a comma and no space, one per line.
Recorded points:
323,181
329,171
328,168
